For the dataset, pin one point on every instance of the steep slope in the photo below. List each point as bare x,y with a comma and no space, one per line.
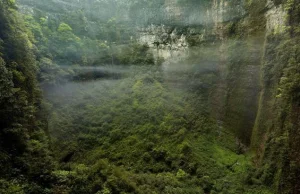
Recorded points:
24,155
276,133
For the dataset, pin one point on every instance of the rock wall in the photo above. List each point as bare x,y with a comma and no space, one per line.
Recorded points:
237,49
276,18
256,93
165,42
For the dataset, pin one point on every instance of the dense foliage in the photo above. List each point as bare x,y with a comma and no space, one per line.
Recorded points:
25,160
280,154
114,139
87,107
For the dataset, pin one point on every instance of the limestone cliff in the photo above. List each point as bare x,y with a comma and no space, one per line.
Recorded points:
229,33
256,92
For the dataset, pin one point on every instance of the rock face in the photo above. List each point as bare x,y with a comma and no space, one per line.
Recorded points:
276,18
165,42
234,99
252,45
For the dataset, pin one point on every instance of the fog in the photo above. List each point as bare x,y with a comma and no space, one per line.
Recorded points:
149,96
109,65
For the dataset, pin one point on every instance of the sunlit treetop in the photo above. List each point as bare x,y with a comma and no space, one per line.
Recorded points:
63,27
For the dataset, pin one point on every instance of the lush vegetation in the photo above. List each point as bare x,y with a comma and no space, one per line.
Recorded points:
25,160
114,139
85,107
